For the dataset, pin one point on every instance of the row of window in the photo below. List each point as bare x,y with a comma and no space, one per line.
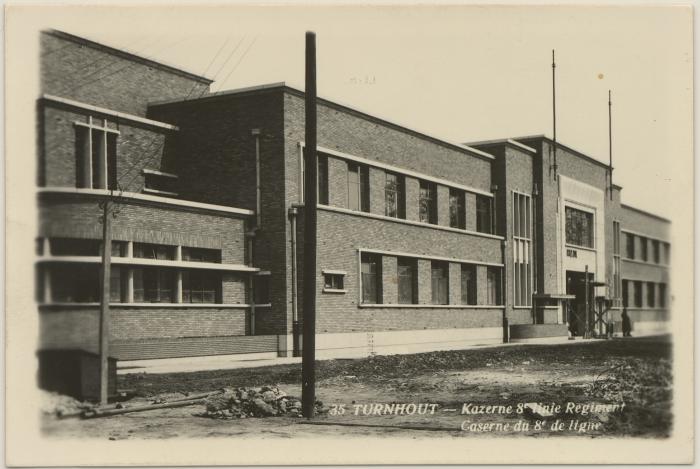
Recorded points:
79,283
394,189
647,253
408,285
93,247
655,294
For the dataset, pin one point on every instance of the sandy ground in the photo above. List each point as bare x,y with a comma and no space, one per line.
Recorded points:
598,372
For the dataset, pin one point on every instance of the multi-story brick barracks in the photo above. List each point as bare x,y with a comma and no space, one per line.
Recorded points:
423,244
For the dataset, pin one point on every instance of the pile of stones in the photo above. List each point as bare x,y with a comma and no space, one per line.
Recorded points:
266,401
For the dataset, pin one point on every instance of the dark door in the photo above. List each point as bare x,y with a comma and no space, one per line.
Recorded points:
576,285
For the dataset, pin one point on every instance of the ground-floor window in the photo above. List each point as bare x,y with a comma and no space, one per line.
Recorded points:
440,283
468,284
407,277
154,285
662,295
637,294
493,286
75,283
371,278
201,286
651,294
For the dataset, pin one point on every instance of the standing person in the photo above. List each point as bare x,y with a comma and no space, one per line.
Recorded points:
626,324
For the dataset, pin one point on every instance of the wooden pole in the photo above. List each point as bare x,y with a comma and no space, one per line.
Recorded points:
308,372
104,300
587,328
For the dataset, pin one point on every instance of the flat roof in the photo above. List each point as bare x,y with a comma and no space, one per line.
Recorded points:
644,212
290,89
127,55
566,147
505,141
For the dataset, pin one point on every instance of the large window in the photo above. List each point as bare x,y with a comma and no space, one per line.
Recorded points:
667,253
154,285
154,251
662,295
200,286
322,179
656,248
427,202
439,282
159,182
625,293
408,288
201,254
468,284
75,247
629,242
96,155
616,285
493,286
371,278
579,227
457,211
637,294
395,196
643,249
484,214
522,238
651,294
75,283
358,187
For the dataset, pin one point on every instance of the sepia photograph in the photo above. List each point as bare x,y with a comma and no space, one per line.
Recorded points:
334,234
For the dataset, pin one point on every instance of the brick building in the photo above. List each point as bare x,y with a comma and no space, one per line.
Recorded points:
422,243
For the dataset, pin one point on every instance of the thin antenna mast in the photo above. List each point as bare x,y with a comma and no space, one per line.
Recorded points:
554,111
610,167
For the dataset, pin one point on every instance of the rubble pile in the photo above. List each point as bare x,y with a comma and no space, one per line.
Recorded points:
266,401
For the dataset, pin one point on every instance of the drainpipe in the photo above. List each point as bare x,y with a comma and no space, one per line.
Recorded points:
256,134
293,212
251,290
533,258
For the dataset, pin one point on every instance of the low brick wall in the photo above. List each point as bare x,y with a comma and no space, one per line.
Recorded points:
531,331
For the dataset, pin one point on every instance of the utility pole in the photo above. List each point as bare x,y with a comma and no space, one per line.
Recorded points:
308,371
105,297
587,329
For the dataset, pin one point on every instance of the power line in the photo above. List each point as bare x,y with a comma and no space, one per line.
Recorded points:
223,82
210,64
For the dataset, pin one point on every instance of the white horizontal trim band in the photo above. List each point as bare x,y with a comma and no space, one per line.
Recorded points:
158,173
414,306
407,222
334,272
158,305
146,198
334,290
151,262
396,169
639,261
109,112
157,192
426,256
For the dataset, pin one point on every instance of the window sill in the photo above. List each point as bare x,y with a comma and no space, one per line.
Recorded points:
334,290
583,248
147,190
395,305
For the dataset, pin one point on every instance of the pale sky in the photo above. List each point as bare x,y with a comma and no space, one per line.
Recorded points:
464,73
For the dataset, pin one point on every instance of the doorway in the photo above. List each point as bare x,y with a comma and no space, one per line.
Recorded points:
576,308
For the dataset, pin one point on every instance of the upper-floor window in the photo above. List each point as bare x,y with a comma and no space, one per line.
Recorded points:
358,187
457,211
96,154
656,248
630,245
643,249
440,283
484,214
616,238
159,182
201,254
154,251
395,196
579,227
427,202
323,179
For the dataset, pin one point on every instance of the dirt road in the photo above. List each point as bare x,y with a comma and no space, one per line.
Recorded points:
451,394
